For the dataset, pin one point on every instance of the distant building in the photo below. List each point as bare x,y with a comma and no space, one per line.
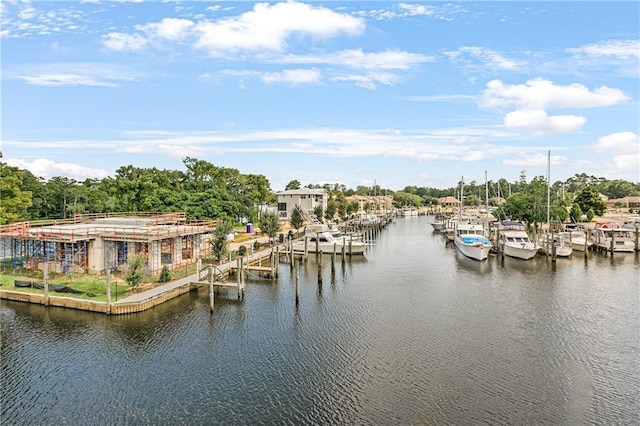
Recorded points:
625,202
92,244
372,203
449,201
307,199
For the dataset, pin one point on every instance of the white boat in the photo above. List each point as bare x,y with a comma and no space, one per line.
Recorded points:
470,240
550,241
439,222
408,212
437,225
614,238
514,241
577,238
325,242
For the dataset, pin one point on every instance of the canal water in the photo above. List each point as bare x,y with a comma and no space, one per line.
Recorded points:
410,333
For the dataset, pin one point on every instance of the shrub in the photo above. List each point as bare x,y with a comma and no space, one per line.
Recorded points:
165,275
242,250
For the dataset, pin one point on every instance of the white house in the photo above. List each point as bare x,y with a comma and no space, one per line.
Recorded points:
305,198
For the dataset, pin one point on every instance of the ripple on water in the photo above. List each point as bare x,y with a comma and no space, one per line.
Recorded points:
410,333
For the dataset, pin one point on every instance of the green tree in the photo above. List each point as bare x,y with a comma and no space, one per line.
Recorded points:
332,208
269,224
589,198
165,275
135,270
294,184
13,201
529,204
318,213
219,241
590,215
576,213
297,218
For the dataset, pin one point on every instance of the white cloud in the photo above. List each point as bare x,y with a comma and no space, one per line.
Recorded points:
124,42
627,165
416,9
73,74
615,48
541,123
356,58
621,142
400,11
267,27
536,160
290,76
489,58
369,80
542,94
264,28
293,76
27,12
64,80
47,169
167,29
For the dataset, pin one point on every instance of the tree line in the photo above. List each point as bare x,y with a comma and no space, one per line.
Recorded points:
204,191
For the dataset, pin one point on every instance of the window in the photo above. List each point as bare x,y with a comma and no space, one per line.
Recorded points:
282,207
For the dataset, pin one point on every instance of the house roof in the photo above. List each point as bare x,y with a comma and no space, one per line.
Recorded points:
304,191
448,200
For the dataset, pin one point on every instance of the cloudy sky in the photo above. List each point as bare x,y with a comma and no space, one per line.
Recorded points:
397,93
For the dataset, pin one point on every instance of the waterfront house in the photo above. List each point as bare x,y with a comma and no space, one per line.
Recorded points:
307,199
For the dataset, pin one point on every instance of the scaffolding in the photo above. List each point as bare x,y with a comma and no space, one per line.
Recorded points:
166,239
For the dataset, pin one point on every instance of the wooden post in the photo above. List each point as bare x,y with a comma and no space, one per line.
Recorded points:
291,253
333,258
320,268
613,241
108,291
317,244
238,271
211,294
344,249
306,246
547,250
241,281
636,240
297,275
586,243
45,273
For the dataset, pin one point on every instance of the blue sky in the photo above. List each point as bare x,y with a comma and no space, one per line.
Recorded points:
397,93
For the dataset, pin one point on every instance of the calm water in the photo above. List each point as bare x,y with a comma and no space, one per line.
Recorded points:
412,333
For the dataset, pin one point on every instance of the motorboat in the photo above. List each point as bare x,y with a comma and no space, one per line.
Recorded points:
577,238
614,238
469,238
550,242
325,242
514,241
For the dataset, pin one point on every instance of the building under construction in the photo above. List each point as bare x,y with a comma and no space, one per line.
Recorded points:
95,243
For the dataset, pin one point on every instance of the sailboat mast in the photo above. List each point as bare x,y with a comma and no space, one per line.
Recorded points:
486,193
548,188
461,197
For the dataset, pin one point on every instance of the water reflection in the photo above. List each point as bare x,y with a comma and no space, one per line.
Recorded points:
411,333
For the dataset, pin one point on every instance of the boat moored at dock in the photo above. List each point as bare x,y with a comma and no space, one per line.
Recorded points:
514,241
470,240
325,242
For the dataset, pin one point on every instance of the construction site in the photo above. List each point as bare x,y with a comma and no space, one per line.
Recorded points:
97,243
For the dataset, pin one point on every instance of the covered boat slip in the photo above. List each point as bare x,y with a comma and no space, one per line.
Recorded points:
95,243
